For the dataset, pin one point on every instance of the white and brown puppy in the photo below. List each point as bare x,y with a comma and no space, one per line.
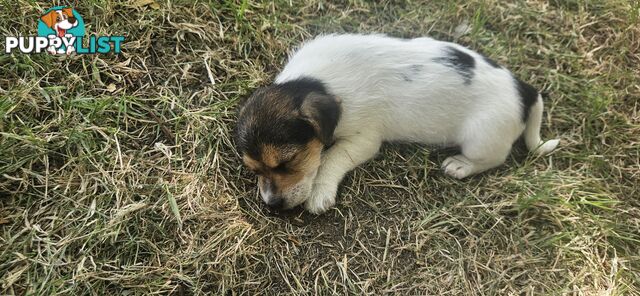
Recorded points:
340,96
60,21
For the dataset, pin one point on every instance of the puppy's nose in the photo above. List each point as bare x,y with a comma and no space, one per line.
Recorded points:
275,203
72,19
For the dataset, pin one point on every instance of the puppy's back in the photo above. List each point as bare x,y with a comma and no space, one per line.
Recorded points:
417,89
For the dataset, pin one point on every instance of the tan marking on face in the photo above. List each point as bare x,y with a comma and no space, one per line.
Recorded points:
305,161
270,155
251,163
298,163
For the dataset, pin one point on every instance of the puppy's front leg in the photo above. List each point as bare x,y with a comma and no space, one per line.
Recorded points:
342,157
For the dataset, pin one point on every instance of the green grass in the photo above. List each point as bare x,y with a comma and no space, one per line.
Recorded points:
118,173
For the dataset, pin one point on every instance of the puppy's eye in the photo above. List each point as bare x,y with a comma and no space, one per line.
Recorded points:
281,168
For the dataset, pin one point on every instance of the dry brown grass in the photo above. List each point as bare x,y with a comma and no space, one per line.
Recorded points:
117,173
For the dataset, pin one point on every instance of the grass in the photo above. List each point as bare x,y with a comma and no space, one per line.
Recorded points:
118,174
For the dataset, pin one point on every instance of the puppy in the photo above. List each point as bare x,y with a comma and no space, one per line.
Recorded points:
60,21
340,96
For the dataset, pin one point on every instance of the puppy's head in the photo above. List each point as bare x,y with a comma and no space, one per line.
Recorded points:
281,132
60,20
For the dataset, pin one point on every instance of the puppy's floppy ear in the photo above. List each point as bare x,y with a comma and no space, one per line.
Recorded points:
322,111
68,11
50,18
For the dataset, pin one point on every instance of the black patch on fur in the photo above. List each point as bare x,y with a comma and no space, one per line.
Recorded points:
270,119
490,61
528,95
460,61
302,87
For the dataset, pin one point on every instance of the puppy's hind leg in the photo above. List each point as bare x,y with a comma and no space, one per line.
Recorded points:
481,150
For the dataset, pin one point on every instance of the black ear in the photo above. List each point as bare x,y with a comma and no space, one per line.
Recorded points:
322,111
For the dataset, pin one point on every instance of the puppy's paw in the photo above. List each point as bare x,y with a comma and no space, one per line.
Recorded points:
547,147
458,166
322,198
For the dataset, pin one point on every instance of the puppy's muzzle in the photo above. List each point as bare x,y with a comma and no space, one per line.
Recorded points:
275,203
269,196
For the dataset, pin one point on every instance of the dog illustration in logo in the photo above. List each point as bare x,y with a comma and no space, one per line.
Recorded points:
60,21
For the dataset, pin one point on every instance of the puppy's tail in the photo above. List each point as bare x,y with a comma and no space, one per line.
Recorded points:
532,131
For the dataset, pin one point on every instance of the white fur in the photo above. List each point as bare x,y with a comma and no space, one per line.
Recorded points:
396,90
